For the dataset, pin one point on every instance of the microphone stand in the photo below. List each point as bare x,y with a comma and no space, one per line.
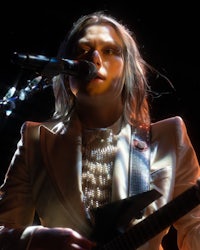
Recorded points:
9,102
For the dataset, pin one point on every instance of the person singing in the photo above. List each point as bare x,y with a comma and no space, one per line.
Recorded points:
99,147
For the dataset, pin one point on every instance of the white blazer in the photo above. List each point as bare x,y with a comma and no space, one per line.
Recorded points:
45,175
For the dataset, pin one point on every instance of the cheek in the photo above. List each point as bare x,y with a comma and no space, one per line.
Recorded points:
116,68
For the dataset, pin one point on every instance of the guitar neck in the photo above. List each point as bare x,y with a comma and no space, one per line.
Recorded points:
156,222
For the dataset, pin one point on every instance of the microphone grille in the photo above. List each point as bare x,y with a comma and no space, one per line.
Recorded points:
87,69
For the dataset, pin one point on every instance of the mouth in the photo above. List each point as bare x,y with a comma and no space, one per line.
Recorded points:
98,79
99,76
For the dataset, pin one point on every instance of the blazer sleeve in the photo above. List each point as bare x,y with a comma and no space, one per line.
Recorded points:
16,204
187,173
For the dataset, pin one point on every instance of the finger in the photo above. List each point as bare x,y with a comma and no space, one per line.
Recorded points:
82,242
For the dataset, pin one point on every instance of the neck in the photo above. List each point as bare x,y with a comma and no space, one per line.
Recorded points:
98,117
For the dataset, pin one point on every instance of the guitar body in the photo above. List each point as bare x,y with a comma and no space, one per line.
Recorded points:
111,220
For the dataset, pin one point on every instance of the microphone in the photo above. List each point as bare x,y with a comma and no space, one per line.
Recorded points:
53,66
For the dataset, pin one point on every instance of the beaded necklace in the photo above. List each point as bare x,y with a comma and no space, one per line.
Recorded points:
99,147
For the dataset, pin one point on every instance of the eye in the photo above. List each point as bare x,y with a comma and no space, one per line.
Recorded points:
113,51
109,51
82,51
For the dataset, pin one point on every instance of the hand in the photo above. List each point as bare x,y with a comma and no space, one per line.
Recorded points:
59,239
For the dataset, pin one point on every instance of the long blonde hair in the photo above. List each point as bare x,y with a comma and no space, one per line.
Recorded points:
134,96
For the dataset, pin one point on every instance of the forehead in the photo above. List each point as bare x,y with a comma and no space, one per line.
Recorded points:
103,32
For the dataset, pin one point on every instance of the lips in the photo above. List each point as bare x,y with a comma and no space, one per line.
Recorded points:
99,76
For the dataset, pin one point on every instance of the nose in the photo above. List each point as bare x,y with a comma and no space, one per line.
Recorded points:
96,58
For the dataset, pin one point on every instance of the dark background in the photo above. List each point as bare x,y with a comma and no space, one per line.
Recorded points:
166,32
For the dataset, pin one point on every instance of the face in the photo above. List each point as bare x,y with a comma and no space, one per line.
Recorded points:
101,45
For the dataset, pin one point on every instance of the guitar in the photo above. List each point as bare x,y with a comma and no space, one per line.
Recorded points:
109,232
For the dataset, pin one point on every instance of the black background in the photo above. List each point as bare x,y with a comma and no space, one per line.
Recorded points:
166,32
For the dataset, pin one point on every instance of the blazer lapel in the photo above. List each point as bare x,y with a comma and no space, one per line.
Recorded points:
121,167
61,154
